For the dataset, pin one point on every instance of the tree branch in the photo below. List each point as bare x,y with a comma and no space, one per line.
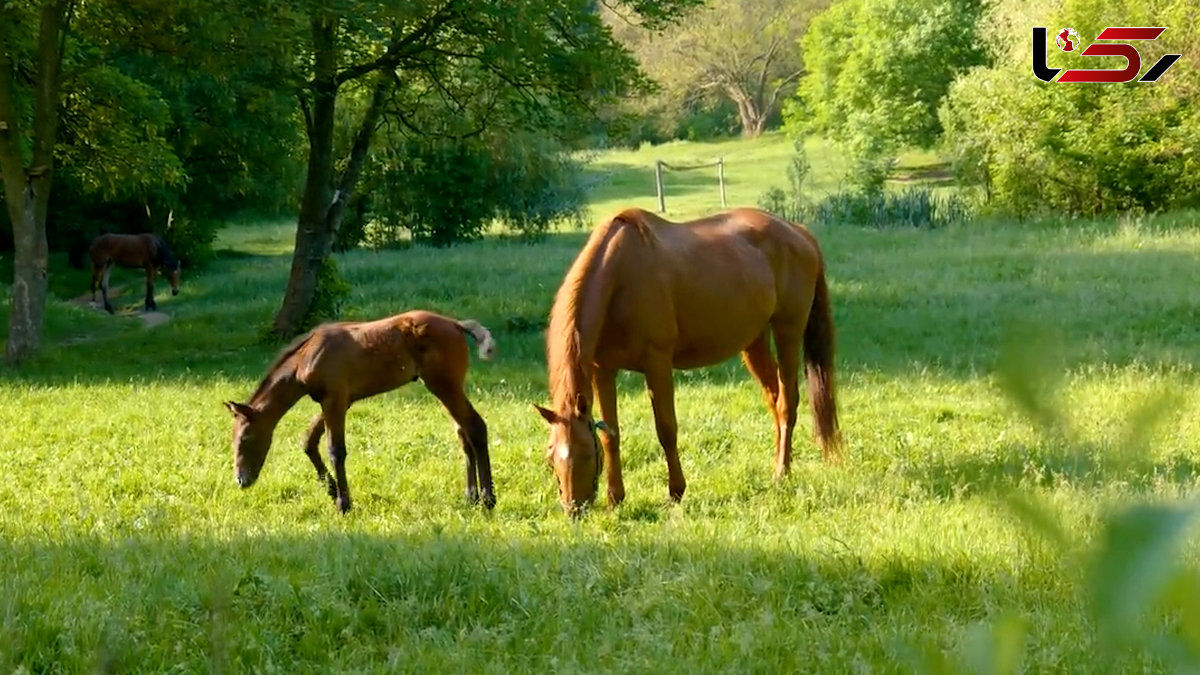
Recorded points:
402,47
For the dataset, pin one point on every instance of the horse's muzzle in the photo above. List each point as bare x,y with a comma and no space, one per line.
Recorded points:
245,480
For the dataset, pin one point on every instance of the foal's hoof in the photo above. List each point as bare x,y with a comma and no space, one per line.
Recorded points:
489,500
343,504
677,493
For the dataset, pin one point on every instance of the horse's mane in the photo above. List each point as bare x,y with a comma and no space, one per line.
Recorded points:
569,366
284,355
165,257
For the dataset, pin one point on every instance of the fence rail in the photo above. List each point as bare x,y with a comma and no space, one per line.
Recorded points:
659,165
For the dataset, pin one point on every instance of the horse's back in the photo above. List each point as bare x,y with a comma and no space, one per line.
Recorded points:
709,287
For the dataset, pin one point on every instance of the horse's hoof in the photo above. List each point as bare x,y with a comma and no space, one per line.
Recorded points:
343,504
489,501
615,497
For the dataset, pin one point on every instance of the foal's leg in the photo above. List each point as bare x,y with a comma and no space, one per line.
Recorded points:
150,304
312,448
472,433
761,365
661,383
788,338
104,286
605,383
333,409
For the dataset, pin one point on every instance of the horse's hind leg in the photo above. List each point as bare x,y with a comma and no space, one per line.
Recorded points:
333,409
762,366
472,433
150,304
661,383
788,338
312,448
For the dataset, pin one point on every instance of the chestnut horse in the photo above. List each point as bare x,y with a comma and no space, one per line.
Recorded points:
339,363
651,296
147,251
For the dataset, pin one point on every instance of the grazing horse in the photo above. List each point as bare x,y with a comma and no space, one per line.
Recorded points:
339,363
651,296
145,250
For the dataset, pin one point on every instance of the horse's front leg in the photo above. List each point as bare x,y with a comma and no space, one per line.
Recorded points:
104,287
605,384
312,448
150,304
333,408
661,383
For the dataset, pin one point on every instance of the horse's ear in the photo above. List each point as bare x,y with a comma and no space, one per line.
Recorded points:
581,405
239,409
547,415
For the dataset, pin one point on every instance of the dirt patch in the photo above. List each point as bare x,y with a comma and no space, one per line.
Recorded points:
85,300
154,318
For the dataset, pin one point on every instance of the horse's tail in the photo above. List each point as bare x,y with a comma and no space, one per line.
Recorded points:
818,369
487,346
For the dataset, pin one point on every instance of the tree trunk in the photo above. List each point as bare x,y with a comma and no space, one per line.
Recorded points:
27,191
313,241
754,118
322,208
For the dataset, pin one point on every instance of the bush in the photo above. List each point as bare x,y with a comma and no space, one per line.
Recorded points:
1086,150
443,191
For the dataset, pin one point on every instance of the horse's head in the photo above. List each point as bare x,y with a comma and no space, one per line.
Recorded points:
173,278
574,454
251,441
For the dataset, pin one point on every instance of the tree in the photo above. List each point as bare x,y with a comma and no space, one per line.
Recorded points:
742,50
529,58
1080,149
876,71
27,184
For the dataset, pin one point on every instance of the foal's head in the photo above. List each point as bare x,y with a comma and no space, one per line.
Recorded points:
573,452
251,441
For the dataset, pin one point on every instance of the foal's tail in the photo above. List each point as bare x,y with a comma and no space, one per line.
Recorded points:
818,369
487,346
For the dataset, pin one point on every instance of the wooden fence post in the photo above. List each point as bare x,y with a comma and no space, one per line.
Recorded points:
658,185
721,178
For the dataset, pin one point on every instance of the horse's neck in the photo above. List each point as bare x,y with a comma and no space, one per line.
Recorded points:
583,328
277,396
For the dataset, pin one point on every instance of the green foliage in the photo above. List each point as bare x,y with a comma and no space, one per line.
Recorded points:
1038,148
880,69
191,239
866,204
444,191
876,73
331,295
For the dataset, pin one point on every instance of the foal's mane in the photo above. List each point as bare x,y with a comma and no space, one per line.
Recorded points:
570,368
284,355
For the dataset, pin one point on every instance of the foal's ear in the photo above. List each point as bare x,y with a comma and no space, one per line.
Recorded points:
547,415
239,409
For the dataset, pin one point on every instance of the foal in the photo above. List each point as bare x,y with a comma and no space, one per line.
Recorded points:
339,363
147,251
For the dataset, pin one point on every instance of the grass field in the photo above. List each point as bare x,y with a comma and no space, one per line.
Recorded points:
126,546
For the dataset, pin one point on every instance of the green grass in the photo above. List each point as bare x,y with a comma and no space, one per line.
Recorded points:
125,544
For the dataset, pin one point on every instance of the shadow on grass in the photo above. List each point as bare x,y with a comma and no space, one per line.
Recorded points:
1015,467
937,306
445,602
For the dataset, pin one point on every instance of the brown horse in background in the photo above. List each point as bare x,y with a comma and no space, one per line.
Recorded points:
649,295
147,251
339,363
